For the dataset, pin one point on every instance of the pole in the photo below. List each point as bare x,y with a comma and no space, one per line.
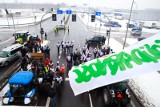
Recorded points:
6,13
100,25
41,22
128,24
109,33
109,30
13,20
33,13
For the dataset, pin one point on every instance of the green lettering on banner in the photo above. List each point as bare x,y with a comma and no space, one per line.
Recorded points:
124,60
121,61
112,64
93,70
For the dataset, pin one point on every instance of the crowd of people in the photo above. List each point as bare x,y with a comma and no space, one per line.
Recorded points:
79,56
66,47
49,71
85,55
42,67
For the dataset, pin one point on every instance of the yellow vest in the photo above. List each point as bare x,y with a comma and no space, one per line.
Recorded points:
46,69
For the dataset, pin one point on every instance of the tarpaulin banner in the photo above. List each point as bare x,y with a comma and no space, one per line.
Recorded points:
138,59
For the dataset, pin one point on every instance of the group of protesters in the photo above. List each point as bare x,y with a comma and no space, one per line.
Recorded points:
84,55
42,68
65,47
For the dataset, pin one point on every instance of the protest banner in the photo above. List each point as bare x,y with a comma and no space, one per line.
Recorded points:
138,59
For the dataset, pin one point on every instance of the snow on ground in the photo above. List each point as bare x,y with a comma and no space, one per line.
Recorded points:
145,87
113,43
131,41
148,88
27,18
87,21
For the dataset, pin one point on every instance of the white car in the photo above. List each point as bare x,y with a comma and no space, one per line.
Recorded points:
61,26
9,54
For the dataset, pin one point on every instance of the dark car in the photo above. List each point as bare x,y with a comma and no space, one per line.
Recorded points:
141,38
112,24
117,93
136,31
96,39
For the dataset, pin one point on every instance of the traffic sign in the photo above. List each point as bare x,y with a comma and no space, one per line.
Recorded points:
98,13
59,11
68,11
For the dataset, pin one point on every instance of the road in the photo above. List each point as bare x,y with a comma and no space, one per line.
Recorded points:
78,33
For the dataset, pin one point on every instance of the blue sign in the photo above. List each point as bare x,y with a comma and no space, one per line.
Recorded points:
59,11
68,11
98,13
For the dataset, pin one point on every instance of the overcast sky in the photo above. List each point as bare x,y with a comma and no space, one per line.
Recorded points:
124,4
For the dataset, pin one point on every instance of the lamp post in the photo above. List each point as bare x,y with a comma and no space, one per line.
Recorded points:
41,22
128,23
100,25
12,19
109,30
33,13
6,12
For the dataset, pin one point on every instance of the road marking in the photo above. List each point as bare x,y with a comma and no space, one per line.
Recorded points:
83,24
78,41
7,40
48,101
85,27
133,105
66,79
91,105
59,57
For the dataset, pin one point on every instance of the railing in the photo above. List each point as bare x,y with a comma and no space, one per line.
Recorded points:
4,80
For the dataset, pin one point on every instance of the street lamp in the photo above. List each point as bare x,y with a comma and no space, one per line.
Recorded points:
12,19
109,32
41,23
6,12
128,23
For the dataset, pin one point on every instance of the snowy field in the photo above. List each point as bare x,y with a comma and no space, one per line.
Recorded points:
27,18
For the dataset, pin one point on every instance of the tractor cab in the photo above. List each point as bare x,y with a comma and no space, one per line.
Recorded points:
21,36
21,89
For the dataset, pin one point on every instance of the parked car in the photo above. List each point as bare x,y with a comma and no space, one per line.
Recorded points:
141,38
21,89
61,26
136,31
9,54
96,39
112,24
117,93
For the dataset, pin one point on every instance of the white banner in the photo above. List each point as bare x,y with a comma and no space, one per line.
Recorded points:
138,59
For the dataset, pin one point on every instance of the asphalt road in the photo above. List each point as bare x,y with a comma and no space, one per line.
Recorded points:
78,33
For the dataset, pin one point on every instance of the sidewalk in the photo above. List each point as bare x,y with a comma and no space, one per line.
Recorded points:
22,21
